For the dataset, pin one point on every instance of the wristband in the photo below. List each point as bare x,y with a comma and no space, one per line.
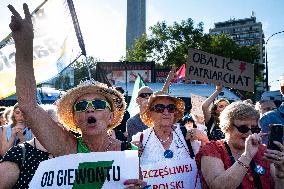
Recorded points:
243,164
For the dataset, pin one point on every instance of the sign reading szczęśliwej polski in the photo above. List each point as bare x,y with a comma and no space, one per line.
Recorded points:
211,68
87,170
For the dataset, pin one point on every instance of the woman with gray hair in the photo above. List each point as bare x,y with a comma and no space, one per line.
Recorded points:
240,160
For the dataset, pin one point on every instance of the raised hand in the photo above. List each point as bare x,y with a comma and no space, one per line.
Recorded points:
22,29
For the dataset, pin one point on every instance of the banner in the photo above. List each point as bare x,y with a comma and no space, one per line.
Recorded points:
106,170
196,103
211,68
133,108
121,72
55,46
172,174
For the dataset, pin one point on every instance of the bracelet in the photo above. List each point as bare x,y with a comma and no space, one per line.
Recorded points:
243,164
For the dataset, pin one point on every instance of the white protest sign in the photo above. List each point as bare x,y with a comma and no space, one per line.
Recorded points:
172,174
196,103
211,68
87,170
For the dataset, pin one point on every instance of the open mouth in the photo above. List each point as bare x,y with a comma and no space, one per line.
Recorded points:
92,120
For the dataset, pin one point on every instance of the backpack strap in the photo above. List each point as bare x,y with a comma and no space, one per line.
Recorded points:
184,131
23,152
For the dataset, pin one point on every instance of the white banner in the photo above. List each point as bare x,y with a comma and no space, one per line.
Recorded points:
87,170
55,46
172,174
196,103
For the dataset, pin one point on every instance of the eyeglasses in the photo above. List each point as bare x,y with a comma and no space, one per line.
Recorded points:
245,128
160,108
144,95
83,105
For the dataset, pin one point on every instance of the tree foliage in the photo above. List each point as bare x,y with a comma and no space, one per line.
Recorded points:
168,45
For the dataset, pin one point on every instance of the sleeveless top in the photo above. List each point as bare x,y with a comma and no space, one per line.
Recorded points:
83,148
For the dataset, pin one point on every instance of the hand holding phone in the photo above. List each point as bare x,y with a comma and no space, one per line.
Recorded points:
275,134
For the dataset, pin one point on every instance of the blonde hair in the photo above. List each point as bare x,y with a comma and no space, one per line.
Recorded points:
237,111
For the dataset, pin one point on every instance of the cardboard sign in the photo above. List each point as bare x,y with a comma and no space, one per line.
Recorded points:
87,170
211,68
171,174
196,102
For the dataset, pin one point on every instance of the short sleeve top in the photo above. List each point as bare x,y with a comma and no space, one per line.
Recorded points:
33,157
217,149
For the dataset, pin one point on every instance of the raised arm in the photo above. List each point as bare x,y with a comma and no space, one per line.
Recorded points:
171,76
56,140
208,101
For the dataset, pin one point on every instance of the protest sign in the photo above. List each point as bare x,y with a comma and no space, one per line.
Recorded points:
172,174
211,68
87,170
196,103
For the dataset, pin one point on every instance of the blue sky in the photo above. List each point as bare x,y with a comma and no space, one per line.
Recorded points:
103,22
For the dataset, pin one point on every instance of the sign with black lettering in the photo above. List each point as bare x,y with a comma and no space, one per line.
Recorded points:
211,68
172,174
87,170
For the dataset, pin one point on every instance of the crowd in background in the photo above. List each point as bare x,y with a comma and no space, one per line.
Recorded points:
226,146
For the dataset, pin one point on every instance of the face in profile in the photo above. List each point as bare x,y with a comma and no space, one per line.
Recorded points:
221,106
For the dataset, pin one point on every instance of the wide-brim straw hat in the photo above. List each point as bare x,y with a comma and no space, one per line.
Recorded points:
146,117
67,101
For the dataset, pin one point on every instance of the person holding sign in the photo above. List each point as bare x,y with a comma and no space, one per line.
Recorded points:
240,161
167,159
91,108
212,117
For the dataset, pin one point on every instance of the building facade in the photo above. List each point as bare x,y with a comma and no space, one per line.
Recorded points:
245,32
136,21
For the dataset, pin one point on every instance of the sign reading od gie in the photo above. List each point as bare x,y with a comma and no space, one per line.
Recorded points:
87,170
211,68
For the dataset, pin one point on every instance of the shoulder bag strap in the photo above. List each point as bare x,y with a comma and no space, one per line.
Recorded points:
184,131
256,178
23,152
232,160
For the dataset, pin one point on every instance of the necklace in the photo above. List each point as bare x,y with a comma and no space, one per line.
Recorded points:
166,140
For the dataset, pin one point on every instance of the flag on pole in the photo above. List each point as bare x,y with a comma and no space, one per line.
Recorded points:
55,46
133,106
180,74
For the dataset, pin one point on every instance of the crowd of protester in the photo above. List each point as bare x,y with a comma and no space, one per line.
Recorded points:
226,146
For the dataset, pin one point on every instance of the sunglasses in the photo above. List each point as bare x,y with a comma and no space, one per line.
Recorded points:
144,95
245,129
160,108
83,105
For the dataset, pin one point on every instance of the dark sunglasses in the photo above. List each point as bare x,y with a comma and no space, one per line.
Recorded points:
144,95
160,108
245,129
83,105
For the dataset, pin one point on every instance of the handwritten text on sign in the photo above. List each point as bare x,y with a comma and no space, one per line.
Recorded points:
211,68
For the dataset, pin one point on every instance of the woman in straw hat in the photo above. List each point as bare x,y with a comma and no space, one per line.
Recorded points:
164,143
91,108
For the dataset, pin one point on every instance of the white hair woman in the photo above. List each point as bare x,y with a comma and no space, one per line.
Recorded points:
164,143
240,161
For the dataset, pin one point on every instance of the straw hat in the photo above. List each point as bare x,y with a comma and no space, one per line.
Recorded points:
67,101
146,118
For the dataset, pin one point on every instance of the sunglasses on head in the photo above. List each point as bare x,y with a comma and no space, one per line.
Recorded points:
144,95
245,129
83,105
160,108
